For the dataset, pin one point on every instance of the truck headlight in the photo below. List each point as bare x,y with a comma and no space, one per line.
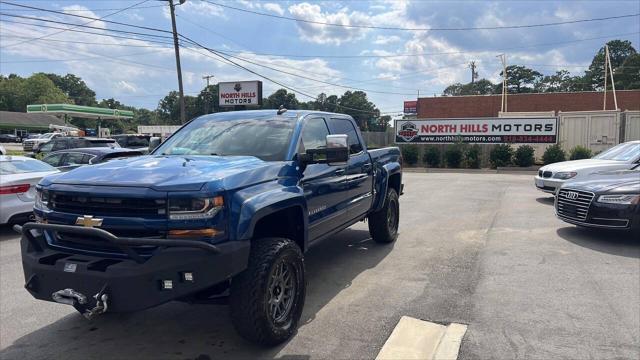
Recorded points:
194,208
42,199
619,199
564,175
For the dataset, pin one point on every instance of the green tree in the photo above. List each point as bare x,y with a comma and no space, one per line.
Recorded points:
356,104
520,79
619,51
169,109
480,87
561,81
627,76
75,88
281,97
17,92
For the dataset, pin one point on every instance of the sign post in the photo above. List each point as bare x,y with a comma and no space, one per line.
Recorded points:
240,93
478,131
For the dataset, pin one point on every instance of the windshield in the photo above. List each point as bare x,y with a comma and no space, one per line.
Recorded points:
264,137
46,136
23,166
622,152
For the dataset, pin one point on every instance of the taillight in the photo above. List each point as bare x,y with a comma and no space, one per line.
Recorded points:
14,189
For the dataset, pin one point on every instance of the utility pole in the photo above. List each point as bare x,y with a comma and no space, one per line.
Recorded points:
206,103
503,105
607,66
176,46
474,73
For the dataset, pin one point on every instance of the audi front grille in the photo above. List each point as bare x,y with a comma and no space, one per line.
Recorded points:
573,204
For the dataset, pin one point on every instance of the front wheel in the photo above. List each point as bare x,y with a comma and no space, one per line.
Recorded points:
267,298
383,224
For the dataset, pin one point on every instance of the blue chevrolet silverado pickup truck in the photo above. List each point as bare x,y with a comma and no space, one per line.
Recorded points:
224,208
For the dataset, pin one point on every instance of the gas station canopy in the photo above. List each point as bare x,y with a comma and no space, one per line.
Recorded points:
88,112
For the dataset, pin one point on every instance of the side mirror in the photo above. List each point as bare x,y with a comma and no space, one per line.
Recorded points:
154,142
336,152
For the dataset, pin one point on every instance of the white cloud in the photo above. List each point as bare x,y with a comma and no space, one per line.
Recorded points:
199,8
328,34
384,40
274,8
126,87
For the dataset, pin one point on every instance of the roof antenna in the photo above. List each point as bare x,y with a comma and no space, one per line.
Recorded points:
281,110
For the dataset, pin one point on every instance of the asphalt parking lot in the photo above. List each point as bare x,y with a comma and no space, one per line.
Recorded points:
479,249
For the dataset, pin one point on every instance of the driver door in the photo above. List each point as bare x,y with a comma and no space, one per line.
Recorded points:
325,186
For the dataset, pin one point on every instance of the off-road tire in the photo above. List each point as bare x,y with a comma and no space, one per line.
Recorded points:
382,229
250,294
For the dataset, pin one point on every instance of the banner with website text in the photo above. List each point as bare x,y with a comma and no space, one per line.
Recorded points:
478,131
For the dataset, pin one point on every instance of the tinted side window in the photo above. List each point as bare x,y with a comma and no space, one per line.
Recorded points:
342,126
314,135
59,144
73,159
53,160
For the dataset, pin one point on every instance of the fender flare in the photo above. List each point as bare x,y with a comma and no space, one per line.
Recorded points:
382,182
255,208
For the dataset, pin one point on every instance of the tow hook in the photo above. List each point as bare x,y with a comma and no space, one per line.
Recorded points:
79,302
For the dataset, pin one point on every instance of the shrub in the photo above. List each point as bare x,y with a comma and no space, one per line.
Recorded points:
501,155
523,156
472,157
453,156
580,152
431,156
553,154
410,154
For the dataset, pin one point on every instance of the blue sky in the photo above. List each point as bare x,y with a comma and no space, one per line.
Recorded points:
140,71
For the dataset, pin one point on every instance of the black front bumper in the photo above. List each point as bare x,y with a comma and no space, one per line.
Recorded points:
608,216
131,283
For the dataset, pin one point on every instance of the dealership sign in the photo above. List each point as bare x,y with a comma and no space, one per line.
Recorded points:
411,107
478,130
240,93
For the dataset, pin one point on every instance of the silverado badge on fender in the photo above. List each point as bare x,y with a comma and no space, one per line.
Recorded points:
88,221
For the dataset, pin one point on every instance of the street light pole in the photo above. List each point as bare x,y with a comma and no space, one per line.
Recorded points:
206,103
176,47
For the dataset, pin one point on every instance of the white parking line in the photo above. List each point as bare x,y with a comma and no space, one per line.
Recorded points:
418,339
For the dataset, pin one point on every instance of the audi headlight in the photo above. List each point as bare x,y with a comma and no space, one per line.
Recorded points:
564,175
619,199
42,199
194,208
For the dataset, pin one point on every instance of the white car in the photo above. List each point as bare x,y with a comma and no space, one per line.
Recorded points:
19,176
34,144
620,157
3,151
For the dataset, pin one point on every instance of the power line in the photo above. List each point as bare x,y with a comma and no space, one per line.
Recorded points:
422,29
86,17
443,53
85,10
77,59
83,32
87,23
93,43
272,80
82,26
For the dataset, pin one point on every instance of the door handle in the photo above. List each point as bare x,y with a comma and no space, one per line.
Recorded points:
339,172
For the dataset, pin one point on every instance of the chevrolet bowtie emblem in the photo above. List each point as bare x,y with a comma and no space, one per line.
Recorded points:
88,221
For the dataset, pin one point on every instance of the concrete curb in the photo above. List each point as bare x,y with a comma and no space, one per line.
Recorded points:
418,339
512,171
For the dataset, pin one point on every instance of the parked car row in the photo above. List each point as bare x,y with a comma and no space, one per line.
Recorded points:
601,192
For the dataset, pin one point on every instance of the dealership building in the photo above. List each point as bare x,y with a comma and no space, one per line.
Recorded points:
489,105
537,119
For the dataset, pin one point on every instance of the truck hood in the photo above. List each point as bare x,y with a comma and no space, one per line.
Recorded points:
160,172
586,164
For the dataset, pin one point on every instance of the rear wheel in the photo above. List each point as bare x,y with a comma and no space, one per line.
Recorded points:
267,298
383,224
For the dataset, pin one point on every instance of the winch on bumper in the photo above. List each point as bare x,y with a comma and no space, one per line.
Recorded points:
178,268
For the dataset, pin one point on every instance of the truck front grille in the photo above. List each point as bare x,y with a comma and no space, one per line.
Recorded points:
573,204
107,206
27,146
